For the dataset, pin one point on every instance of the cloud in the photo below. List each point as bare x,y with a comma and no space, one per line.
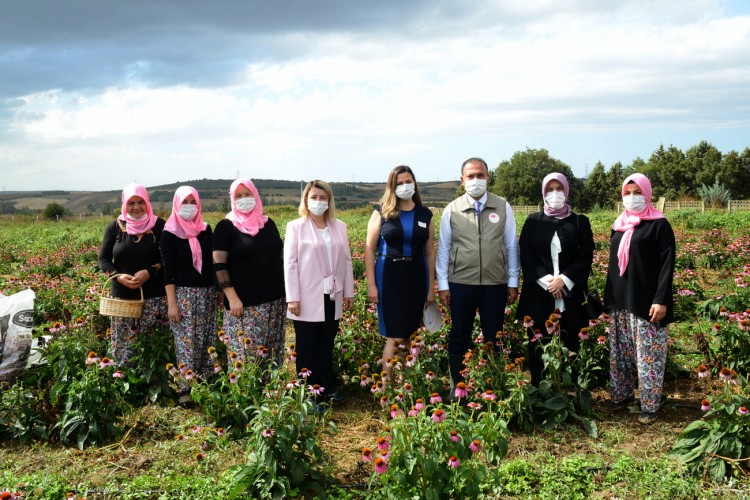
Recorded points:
321,86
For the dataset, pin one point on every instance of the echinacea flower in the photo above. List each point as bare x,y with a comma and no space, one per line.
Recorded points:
475,446
262,351
292,357
304,373
395,411
212,353
461,391
106,362
382,443
438,416
583,334
366,455
430,375
220,431
267,433
528,322
189,374
384,401
233,378
92,358
454,436
705,405
380,465
172,370
419,405
435,398
238,366
601,340
118,374
742,410
385,454
551,327
489,395
217,367
474,406
725,374
181,438
453,461
703,372
200,457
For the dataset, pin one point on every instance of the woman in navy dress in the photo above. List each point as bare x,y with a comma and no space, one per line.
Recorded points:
400,256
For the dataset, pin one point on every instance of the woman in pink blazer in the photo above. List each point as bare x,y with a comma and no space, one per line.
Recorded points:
319,283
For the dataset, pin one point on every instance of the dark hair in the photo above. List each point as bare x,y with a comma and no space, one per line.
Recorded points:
474,160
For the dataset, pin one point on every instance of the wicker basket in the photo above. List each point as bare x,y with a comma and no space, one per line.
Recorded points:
112,306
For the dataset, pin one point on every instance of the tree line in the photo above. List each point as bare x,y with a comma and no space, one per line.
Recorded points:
700,172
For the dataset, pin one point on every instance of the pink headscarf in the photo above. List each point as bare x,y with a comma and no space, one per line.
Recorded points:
136,226
247,223
626,221
563,212
187,229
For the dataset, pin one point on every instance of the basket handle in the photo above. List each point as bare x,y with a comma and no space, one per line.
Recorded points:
115,276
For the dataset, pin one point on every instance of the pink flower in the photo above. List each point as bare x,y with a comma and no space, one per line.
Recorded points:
474,406
396,411
292,384
366,455
233,378
438,415
705,405
384,401
593,323
196,429
413,412
267,433
454,436
304,373
220,431
742,410
461,391
601,340
419,405
189,375
262,351
453,461
380,465
292,357
217,367
430,375
583,334
489,395
435,398
316,389
181,438
92,358
106,362
365,380
382,443
118,374
528,322
385,454
475,446
703,372
172,370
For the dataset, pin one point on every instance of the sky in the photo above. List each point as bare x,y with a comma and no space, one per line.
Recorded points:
95,94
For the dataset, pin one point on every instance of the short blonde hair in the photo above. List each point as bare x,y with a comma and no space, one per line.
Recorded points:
331,212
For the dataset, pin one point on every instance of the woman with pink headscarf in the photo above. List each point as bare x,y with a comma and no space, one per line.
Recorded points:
248,262
556,250
189,283
639,296
130,248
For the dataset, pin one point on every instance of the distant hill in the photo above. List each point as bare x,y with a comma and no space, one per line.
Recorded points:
214,195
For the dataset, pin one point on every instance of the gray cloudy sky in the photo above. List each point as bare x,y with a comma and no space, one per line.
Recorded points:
95,94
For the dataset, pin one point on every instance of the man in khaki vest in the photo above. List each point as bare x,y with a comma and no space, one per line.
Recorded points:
477,262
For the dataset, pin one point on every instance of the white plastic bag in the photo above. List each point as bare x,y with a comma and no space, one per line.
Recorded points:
16,321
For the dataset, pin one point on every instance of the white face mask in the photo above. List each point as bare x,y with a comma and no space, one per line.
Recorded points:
245,205
317,207
136,219
405,191
555,199
476,187
188,211
635,203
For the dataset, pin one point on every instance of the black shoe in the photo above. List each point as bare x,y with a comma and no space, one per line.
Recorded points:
647,417
621,405
337,397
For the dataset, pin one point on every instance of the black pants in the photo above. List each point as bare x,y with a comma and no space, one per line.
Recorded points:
314,344
571,323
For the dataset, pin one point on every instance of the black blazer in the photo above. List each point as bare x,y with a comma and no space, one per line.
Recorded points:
648,277
577,242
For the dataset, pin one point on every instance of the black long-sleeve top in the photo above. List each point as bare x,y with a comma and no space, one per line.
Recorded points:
177,260
648,277
255,263
574,261
124,253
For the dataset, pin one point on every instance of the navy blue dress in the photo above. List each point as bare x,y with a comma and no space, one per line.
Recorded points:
401,272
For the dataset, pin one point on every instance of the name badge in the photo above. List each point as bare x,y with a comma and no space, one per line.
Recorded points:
494,218
421,224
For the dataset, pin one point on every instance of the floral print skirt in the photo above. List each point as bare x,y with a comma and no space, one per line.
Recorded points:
195,331
638,358
261,325
124,331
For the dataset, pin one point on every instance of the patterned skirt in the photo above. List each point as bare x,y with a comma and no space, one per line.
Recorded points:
124,331
195,331
261,325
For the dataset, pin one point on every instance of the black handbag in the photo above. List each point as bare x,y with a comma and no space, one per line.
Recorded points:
593,305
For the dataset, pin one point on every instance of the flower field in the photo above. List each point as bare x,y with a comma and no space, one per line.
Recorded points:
78,425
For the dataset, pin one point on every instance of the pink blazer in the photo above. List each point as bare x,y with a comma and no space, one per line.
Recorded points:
303,276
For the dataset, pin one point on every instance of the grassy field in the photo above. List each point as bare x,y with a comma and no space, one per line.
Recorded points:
146,460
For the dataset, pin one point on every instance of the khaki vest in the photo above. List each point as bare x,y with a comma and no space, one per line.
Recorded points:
478,253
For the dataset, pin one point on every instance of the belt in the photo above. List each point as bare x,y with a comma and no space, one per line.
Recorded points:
399,259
